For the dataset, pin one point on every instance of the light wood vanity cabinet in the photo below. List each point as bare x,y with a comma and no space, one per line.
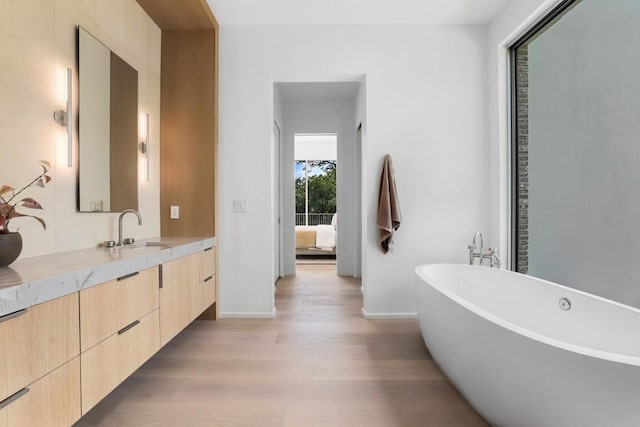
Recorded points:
53,400
60,358
111,306
111,361
188,288
176,296
119,329
207,280
37,374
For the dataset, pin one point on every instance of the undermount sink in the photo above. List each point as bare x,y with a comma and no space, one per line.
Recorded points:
137,245
112,245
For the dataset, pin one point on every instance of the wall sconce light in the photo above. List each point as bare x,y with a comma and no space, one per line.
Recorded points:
65,118
144,146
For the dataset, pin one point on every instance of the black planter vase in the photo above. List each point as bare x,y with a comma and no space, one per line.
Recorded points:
10,248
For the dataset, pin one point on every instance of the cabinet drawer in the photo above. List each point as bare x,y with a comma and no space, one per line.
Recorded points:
36,341
53,400
111,361
202,296
109,307
207,263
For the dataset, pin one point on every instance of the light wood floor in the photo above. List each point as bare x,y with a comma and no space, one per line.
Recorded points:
319,363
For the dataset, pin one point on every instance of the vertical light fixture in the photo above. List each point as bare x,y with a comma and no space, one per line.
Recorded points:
144,146
65,118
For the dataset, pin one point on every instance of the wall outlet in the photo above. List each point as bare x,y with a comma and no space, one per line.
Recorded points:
175,212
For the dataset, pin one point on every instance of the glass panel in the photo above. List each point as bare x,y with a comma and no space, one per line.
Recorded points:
575,153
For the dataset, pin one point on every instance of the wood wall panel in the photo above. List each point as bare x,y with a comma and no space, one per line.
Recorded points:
188,132
189,118
189,15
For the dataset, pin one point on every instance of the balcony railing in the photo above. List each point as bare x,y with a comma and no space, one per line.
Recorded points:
313,218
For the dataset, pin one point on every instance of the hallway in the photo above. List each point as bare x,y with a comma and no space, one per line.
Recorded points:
319,363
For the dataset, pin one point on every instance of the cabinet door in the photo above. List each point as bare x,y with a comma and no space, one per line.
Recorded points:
207,280
53,400
207,263
111,361
109,307
178,295
36,341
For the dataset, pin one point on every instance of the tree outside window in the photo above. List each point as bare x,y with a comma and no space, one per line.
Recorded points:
315,191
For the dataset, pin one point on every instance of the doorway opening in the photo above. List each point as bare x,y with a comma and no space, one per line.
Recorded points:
330,110
315,168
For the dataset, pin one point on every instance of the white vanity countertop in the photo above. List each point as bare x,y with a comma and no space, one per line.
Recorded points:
31,281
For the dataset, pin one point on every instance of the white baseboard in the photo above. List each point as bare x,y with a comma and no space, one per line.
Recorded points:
388,315
249,315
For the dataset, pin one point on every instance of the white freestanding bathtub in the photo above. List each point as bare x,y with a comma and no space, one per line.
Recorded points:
527,352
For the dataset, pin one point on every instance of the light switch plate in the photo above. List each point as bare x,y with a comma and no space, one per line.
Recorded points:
239,205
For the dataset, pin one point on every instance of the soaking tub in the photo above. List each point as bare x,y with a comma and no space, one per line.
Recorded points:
528,352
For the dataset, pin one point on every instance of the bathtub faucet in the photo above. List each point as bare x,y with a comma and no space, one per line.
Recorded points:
492,256
478,251
475,251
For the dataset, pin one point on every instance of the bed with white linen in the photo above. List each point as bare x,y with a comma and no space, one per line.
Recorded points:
317,240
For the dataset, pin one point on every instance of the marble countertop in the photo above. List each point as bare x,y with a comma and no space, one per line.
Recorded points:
31,281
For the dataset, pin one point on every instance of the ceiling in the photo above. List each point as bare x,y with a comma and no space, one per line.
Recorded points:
318,91
308,12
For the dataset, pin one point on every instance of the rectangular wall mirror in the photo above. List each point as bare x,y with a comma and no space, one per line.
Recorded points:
107,129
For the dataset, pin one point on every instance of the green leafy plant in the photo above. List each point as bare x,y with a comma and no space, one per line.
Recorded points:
9,203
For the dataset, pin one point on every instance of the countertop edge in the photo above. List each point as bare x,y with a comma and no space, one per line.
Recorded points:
53,276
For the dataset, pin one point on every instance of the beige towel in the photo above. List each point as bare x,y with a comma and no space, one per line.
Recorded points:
389,217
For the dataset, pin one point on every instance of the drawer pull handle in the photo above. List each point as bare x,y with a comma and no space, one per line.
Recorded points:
13,315
208,278
9,400
208,249
126,328
128,275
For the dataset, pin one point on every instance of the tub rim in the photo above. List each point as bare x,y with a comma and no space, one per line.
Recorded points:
586,351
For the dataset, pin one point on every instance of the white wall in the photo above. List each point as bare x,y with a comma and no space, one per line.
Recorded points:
425,98
37,42
583,151
316,147
323,116
276,199
359,171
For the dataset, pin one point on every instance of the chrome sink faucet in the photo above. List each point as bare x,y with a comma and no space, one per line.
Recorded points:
124,212
478,251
